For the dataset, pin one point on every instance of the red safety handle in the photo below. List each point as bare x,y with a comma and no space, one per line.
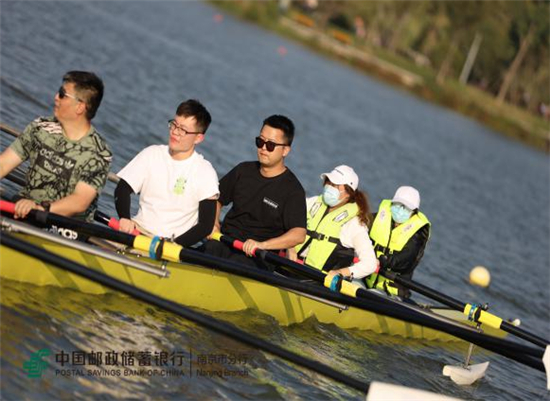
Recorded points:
115,225
8,207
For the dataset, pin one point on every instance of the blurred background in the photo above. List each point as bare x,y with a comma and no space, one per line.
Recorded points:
486,59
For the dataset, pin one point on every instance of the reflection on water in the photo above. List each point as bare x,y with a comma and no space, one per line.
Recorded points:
198,363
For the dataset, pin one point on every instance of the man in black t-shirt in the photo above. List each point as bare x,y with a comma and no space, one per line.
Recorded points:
269,208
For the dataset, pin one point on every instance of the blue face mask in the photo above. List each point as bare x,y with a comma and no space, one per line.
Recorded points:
400,213
331,196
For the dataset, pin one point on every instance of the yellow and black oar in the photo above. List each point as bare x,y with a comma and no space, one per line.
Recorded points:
475,312
375,390
159,249
334,283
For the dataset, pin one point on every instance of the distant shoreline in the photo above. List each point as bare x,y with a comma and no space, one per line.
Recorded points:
505,119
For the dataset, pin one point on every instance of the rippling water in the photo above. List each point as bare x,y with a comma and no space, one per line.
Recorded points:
486,196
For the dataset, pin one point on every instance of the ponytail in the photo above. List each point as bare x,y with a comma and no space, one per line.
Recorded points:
362,200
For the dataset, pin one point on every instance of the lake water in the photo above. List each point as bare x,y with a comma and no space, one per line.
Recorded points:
487,197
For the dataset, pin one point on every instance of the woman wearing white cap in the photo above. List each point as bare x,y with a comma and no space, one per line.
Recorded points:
337,227
399,233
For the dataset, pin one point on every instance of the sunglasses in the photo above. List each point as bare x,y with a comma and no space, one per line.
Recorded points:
270,146
62,93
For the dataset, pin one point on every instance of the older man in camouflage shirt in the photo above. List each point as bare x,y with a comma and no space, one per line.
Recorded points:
69,160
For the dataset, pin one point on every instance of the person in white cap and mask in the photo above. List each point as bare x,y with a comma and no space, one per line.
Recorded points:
337,227
399,233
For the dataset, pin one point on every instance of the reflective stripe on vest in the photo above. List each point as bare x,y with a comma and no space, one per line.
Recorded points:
385,239
325,229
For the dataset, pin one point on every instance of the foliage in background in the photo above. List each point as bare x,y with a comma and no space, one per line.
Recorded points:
432,39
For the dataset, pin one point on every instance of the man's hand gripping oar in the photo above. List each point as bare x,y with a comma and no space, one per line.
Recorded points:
333,282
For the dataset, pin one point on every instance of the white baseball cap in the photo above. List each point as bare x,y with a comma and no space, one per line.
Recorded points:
342,175
407,196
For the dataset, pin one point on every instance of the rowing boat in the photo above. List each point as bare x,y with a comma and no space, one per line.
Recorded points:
39,258
374,390
207,288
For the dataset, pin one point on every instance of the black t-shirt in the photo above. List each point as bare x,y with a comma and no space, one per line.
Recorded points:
263,208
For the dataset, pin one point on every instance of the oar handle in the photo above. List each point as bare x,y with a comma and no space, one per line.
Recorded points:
78,225
204,320
8,207
115,225
111,222
475,312
334,283
169,251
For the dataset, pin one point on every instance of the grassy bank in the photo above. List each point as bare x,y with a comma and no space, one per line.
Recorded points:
506,119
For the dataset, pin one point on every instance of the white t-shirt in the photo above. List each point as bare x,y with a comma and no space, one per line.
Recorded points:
356,236
170,190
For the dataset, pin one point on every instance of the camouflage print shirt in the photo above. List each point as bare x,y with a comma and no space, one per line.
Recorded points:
57,164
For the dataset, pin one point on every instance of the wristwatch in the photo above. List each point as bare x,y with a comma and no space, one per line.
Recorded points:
46,205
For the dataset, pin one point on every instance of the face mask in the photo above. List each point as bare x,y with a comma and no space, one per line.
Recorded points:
400,213
331,196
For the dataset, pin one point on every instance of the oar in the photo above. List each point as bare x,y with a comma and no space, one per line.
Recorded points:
335,284
111,221
199,318
9,130
168,251
474,312
19,227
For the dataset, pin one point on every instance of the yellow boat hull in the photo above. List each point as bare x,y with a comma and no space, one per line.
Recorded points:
209,289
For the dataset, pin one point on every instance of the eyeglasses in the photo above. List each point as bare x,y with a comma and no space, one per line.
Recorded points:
62,93
179,130
269,145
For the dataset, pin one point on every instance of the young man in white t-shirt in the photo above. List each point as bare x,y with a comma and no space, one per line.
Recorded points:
177,186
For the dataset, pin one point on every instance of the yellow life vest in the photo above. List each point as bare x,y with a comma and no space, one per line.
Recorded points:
387,240
323,231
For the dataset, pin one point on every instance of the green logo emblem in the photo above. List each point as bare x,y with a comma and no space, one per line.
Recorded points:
35,365
179,186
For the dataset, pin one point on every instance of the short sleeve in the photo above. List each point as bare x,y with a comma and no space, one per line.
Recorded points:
23,144
134,173
295,211
227,185
96,171
208,186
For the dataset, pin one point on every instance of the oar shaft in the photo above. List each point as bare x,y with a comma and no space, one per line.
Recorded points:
461,306
81,226
358,292
14,226
521,353
426,291
306,271
9,130
199,318
510,328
